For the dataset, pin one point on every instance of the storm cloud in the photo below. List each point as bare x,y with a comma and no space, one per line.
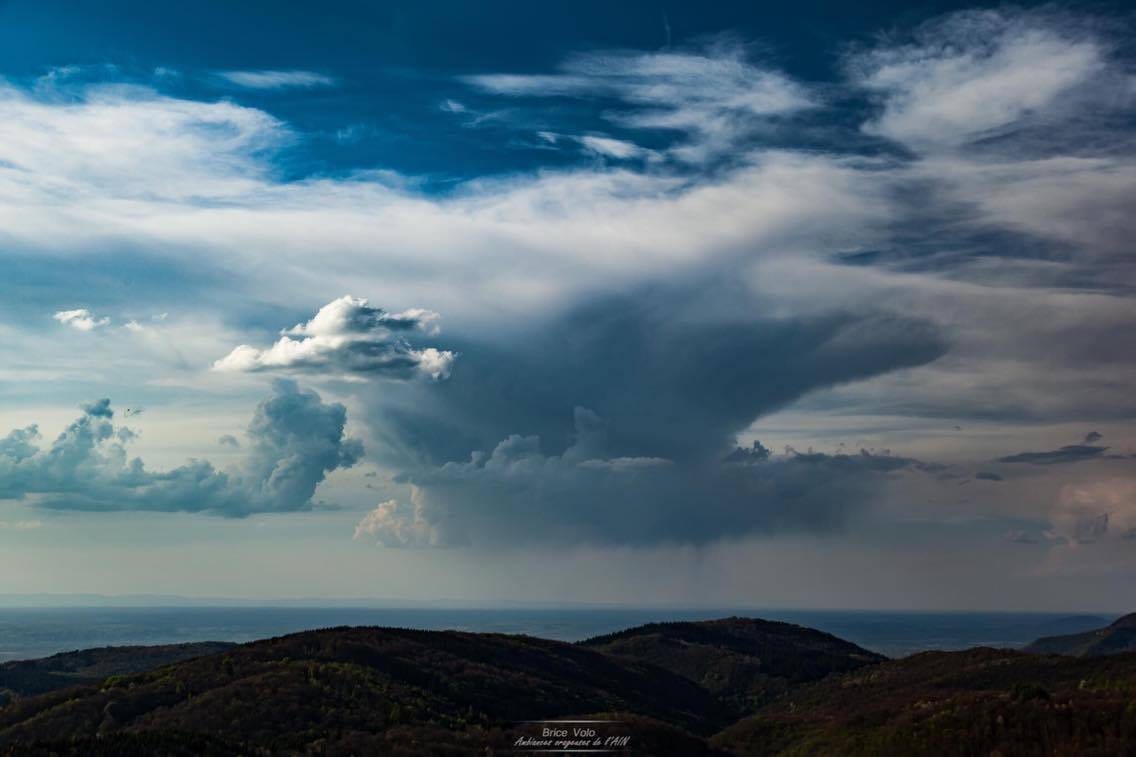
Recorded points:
675,373
516,494
1070,453
658,384
295,440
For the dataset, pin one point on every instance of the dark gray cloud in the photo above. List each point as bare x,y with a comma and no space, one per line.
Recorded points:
674,373
1093,436
295,440
987,476
669,379
517,494
756,453
1070,453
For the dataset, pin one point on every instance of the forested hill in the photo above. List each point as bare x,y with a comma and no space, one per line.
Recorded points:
364,690
975,702
1115,638
729,687
746,662
27,677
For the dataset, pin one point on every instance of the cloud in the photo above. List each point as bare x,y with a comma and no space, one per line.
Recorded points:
712,94
1070,453
756,453
990,277
614,148
676,371
349,337
80,319
266,79
1095,512
970,75
1093,436
395,524
516,494
987,476
228,440
1018,115
111,142
295,440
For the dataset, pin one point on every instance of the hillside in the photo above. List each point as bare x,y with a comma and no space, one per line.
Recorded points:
674,688
28,677
980,701
746,662
364,690
1116,638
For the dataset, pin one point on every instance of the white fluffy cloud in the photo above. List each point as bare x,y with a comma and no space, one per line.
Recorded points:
396,524
1095,511
296,439
80,319
347,336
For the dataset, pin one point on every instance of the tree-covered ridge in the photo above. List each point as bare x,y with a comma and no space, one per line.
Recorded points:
28,677
976,702
369,689
676,688
1119,636
746,662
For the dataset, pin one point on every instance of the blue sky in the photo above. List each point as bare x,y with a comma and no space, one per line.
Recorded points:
821,306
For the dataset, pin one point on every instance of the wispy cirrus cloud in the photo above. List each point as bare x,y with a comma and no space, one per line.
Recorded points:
275,79
715,95
975,74
117,142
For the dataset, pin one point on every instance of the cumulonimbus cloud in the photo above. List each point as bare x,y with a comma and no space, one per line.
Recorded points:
348,336
518,493
295,440
1028,327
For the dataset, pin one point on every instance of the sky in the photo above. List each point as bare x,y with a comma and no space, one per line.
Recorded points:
821,306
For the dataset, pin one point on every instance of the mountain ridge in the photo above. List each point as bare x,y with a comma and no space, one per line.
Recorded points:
732,686
19,678
746,662
1116,638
